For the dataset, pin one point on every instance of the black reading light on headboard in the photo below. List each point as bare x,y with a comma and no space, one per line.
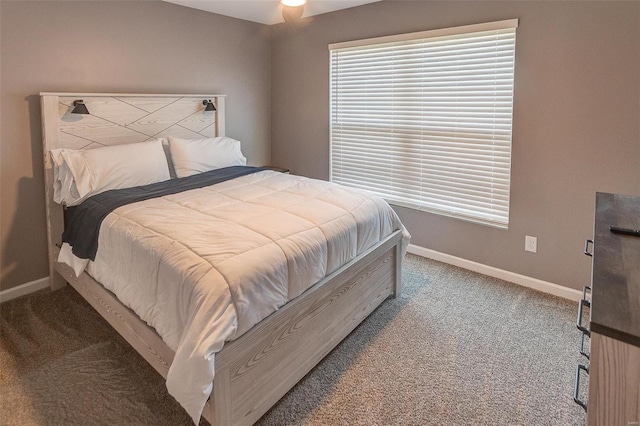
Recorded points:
79,107
209,105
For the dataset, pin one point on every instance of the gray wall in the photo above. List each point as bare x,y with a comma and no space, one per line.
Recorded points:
576,119
112,46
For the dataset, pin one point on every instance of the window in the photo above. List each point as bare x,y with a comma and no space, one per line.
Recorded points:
424,119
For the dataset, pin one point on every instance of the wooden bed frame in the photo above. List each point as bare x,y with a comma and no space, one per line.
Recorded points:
254,371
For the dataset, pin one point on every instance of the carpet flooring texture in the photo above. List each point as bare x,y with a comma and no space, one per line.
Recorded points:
457,348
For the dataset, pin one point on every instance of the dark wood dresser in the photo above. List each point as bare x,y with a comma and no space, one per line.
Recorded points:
614,327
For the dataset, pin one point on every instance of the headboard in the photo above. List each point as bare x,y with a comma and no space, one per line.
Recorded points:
113,119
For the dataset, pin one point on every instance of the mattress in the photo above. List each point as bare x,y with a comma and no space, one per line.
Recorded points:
205,265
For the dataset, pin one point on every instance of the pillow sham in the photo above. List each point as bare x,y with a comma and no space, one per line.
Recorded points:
193,156
64,188
92,171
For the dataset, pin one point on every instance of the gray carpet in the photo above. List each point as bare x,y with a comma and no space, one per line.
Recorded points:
457,348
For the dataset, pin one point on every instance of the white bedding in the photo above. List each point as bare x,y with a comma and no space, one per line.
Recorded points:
203,266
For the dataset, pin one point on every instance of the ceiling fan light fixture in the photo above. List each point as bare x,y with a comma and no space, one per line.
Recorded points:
293,3
292,9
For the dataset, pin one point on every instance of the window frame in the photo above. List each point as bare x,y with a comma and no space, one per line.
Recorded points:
511,24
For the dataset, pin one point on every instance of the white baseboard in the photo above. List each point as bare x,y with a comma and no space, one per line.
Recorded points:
512,277
26,288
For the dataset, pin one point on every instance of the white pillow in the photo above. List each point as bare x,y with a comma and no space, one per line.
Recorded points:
193,156
64,188
92,171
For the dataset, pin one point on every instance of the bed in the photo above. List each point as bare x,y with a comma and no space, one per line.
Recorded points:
256,366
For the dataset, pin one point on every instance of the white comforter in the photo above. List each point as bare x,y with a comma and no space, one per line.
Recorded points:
203,266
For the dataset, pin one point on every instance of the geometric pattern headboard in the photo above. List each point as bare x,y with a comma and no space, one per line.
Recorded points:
121,119
114,119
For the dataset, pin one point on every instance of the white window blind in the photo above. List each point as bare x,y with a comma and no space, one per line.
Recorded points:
424,119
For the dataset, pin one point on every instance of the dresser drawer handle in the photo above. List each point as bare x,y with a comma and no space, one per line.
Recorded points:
584,295
584,330
576,388
586,248
582,351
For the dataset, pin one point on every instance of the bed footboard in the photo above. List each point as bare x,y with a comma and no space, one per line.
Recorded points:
256,370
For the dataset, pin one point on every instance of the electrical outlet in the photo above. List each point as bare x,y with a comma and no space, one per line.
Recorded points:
530,244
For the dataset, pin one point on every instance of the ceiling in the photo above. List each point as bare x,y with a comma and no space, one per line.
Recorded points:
266,11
